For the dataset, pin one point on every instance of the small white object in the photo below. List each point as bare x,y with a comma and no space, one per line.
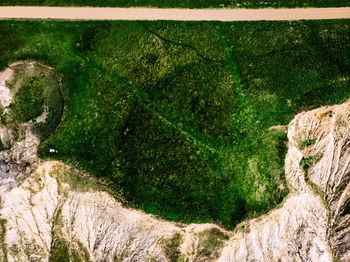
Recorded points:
52,150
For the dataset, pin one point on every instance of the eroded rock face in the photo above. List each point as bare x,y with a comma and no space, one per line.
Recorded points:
328,132
19,139
45,211
55,214
20,161
18,158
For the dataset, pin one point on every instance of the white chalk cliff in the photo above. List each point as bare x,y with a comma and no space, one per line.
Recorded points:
44,216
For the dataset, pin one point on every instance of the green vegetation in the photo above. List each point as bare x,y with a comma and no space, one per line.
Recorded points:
306,143
36,93
76,182
29,101
172,248
210,243
3,250
346,208
182,3
62,252
175,115
306,164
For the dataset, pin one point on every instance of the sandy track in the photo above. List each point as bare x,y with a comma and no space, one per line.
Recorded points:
90,13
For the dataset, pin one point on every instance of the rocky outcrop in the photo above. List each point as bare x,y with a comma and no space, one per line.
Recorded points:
17,163
47,209
18,159
19,140
322,138
58,214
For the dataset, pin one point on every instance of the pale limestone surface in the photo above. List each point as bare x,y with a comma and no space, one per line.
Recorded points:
5,93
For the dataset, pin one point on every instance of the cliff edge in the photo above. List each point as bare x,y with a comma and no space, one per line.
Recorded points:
49,212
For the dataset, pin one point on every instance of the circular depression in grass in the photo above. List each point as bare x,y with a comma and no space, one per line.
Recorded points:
37,97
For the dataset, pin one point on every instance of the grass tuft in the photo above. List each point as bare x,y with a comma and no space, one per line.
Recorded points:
210,243
307,143
172,248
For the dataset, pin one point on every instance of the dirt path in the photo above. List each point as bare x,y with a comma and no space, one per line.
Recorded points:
90,13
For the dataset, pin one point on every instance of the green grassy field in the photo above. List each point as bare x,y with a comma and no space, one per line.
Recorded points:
175,115
183,3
